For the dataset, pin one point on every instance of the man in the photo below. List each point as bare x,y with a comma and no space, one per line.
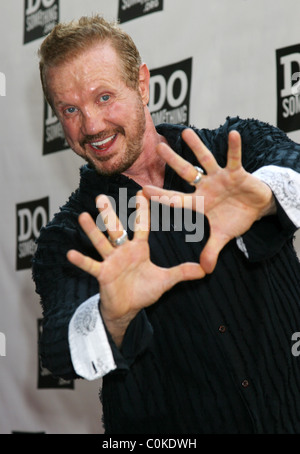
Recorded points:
189,336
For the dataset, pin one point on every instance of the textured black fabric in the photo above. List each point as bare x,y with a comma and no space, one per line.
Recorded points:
213,355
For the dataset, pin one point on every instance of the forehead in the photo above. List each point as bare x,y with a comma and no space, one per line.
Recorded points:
100,54
96,63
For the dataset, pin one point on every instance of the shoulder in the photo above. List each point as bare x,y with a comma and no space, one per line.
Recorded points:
250,129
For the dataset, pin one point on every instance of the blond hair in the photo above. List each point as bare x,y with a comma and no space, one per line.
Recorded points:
68,40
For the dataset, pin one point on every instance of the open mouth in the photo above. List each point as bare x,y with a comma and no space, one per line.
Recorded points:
103,145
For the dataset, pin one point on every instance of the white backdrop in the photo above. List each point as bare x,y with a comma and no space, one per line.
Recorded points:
225,55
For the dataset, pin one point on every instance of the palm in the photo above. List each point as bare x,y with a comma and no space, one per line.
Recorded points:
128,280
128,276
233,198
232,195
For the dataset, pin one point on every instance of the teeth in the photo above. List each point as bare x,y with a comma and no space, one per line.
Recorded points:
103,142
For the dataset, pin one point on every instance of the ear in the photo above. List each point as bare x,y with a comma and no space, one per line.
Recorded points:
144,79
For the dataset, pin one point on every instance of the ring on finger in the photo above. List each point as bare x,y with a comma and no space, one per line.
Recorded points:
119,241
198,176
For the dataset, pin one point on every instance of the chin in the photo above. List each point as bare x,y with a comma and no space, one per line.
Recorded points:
109,170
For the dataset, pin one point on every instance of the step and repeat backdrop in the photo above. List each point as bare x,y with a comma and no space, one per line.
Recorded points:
208,60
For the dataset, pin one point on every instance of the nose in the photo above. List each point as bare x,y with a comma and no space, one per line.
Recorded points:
92,122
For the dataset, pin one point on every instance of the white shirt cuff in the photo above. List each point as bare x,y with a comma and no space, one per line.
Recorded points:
285,185
91,354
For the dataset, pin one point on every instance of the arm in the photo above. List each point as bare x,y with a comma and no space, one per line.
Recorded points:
62,290
75,341
234,199
90,351
268,235
93,352
128,280
285,186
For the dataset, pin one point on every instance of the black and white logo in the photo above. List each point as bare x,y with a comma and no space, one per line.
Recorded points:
170,89
40,17
45,378
31,217
131,9
288,88
54,138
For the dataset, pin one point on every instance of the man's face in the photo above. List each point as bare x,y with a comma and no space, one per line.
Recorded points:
102,118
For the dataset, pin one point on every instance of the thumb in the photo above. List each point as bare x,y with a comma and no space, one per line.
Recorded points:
209,255
184,272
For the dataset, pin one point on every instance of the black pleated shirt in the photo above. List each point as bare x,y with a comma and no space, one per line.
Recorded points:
211,356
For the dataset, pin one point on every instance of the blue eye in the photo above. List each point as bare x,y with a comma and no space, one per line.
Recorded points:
104,98
70,110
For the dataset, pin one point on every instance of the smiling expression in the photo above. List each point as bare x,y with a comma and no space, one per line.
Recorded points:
103,119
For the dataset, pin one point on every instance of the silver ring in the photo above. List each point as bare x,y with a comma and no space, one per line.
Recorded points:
119,241
198,177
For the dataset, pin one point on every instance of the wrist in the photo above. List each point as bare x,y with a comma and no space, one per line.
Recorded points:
270,208
116,326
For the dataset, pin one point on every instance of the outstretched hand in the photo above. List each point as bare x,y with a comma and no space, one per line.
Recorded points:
128,280
233,198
